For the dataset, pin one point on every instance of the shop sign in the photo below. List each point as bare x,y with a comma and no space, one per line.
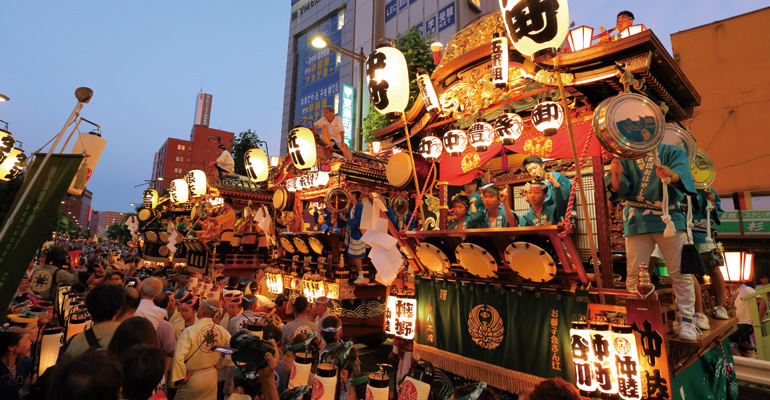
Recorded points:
430,26
754,222
391,9
446,17
347,113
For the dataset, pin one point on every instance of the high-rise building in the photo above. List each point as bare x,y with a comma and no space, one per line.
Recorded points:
78,208
316,79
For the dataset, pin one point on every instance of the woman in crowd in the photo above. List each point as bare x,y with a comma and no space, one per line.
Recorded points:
15,369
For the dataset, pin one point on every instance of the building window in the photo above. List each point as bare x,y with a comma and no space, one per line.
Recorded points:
180,159
177,170
180,147
215,139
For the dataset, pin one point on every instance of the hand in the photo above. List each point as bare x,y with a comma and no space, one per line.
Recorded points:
272,361
504,196
665,173
616,168
710,196
550,178
474,200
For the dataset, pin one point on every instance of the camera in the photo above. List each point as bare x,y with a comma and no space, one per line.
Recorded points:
248,352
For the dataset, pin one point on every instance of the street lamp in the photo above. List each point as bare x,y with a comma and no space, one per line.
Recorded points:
4,97
320,41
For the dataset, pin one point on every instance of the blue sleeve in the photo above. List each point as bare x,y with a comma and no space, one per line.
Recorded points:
624,188
676,159
413,222
355,221
315,217
717,212
391,215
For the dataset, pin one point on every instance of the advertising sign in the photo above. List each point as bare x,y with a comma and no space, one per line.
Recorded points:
391,9
754,223
446,17
346,113
430,26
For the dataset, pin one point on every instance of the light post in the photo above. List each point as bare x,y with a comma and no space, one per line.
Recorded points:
319,42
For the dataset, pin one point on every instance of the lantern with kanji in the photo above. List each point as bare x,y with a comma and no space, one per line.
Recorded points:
481,135
7,144
604,367
301,146
428,92
401,316
431,148
388,80
582,357
499,60
455,141
536,27
256,165
150,198
179,191
196,180
547,117
628,371
274,280
508,128
11,167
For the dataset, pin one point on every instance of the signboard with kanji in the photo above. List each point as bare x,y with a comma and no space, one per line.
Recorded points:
419,29
754,223
430,26
402,4
346,113
446,17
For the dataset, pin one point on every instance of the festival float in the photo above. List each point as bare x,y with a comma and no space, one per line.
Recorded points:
513,306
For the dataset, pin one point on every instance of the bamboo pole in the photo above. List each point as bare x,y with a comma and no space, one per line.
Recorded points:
414,170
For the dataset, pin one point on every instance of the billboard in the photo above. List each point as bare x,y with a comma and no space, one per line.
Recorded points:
346,113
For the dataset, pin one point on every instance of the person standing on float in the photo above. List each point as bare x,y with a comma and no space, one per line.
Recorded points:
558,186
700,218
356,248
640,184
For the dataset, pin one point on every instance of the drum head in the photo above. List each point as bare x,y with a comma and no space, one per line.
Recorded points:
163,236
144,214
676,136
432,258
287,245
316,245
337,200
629,125
399,170
301,246
530,262
280,199
702,170
477,260
151,236
163,251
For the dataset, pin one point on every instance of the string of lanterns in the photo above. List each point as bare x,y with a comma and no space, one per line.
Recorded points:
11,158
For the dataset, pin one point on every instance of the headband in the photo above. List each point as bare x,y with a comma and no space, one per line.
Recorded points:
476,393
359,381
301,391
215,309
330,329
188,303
248,300
303,343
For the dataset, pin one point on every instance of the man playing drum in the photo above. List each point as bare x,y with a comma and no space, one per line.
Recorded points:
558,184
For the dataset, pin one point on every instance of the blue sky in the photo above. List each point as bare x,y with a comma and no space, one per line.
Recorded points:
147,60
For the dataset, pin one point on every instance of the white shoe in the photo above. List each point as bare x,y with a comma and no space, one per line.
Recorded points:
702,321
720,313
688,330
361,280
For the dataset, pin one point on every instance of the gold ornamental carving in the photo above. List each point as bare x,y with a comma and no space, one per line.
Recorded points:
477,34
539,146
486,326
475,91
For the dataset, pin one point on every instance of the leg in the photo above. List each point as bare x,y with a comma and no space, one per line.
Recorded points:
717,281
698,295
683,286
638,251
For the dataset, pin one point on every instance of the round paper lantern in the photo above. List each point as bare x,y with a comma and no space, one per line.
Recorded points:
548,117
481,135
7,144
11,167
455,142
388,81
179,191
536,28
150,198
428,92
256,165
508,128
196,180
301,145
431,148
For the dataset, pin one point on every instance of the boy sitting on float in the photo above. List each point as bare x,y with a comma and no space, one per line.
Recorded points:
541,213
498,213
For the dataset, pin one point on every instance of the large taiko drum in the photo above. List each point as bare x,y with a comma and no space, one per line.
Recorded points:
676,136
283,199
629,125
435,255
702,170
151,236
477,256
530,262
399,170
287,245
146,214
300,243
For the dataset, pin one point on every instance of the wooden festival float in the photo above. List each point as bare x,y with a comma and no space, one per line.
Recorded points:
512,306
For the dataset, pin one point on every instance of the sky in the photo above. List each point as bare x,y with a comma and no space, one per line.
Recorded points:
146,61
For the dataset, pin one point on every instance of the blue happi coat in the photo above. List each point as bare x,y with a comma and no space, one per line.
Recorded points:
699,204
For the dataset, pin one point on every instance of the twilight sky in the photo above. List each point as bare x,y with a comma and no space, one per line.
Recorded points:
147,60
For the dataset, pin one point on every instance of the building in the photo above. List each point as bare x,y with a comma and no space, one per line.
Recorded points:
177,156
78,208
316,79
96,225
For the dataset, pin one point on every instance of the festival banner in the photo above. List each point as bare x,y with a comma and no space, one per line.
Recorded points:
510,339
710,377
30,225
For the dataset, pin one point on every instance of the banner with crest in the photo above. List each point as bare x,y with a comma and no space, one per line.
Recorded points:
508,338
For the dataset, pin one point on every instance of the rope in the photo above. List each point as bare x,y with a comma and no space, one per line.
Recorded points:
670,230
418,201
568,226
709,208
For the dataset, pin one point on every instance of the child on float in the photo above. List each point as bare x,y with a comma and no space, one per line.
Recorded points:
497,213
473,191
464,220
356,248
540,213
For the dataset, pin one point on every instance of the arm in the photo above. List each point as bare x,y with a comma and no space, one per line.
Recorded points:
267,377
762,307
355,221
178,367
511,219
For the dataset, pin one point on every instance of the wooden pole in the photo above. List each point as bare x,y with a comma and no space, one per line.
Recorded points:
414,170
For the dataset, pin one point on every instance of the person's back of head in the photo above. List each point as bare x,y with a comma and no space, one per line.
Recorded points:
150,288
143,368
133,331
105,301
300,306
555,389
132,303
56,256
94,375
162,300
331,328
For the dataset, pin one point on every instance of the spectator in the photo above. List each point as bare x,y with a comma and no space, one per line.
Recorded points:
741,339
301,323
188,310
46,279
149,289
331,332
286,363
15,368
144,367
555,389
132,303
104,303
249,305
132,331
93,375
114,278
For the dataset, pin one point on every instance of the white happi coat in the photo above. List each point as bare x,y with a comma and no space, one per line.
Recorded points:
194,355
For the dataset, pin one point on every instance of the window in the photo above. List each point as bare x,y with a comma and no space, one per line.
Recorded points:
180,147
181,159
215,139
177,170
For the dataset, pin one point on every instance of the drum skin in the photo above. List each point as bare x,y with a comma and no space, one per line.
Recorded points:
283,199
679,137
530,262
629,125
399,170
477,259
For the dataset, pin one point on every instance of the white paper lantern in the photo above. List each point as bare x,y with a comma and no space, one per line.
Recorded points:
536,28
93,146
274,161
428,92
388,81
582,356
11,167
150,198
627,361
580,38
631,30
256,165
547,117
604,366
455,141
481,135
196,180
431,148
499,60
301,145
7,144
179,191
49,348
508,128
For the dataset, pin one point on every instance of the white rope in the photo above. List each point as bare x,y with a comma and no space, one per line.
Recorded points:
670,230
709,208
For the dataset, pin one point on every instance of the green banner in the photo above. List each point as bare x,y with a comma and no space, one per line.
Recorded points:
29,227
520,330
708,377
754,223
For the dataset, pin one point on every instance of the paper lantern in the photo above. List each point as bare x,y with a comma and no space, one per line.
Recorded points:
49,348
631,30
499,60
455,141
7,144
508,128
627,362
604,366
256,165
274,161
536,27
301,145
274,280
76,324
580,38
547,117
179,191
325,382
11,167
376,147
582,358
388,81
481,135
300,370
91,145
401,316
196,180
150,198
378,386
431,148
739,266
428,92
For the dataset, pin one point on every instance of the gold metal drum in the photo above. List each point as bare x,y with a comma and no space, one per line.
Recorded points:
629,125
682,138
703,170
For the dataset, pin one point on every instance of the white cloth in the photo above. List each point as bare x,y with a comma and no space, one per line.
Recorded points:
742,310
225,161
179,326
638,250
194,355
149,310
336,130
